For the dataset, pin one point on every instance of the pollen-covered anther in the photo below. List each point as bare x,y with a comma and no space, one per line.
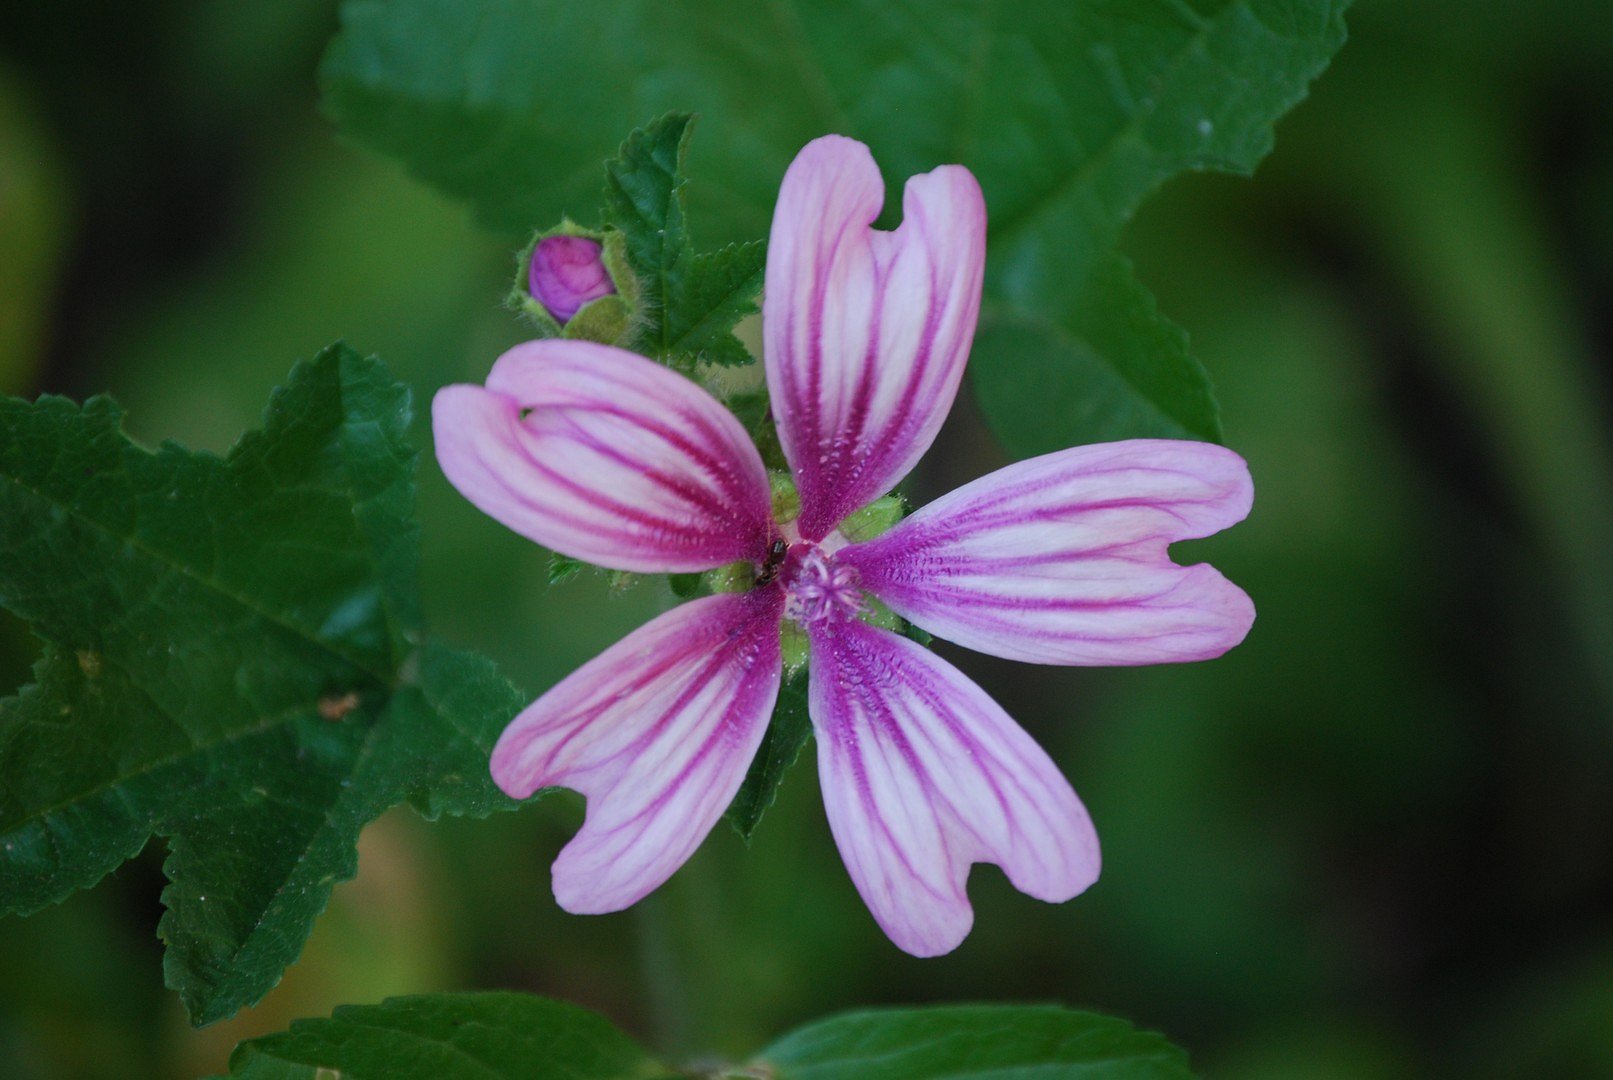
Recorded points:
816,586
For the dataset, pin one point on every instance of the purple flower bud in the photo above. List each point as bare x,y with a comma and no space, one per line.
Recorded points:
567,272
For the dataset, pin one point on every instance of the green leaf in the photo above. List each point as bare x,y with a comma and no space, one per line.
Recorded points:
516,1037
691,302
722,289
1069,114
1126,374
973,1042
787,734
754,410
486,1036
232,662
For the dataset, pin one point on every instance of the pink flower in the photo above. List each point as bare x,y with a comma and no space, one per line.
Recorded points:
609,458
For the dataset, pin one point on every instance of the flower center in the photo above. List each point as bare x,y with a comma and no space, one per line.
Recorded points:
815,586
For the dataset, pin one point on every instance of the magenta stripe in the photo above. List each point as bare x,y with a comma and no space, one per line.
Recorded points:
980,517
752,628
900,422
805,415
667,532
683,487
579,718
589,496
977,603
1071,466
717,466
840,730
851,648
711,637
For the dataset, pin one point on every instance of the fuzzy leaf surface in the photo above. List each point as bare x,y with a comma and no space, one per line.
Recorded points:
232,662
691,301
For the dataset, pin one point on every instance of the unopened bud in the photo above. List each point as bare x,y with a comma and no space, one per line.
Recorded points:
574,282
566,273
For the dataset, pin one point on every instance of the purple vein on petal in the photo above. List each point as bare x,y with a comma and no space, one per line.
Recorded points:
657,733
923,775
1064,559
866,331
607,457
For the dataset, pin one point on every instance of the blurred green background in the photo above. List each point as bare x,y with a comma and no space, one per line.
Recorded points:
1371,842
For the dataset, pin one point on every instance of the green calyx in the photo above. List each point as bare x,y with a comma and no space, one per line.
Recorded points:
794,646
735,577
786,500
873,520
875,613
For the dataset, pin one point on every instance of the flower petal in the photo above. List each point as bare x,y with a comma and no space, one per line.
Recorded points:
1063,559
657,732
923,774
607,457
866,332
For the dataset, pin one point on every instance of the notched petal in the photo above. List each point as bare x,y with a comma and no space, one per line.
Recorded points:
924,775
866,332
1063,559
657,733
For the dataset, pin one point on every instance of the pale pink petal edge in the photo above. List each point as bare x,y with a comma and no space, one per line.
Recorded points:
924,775
657,733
